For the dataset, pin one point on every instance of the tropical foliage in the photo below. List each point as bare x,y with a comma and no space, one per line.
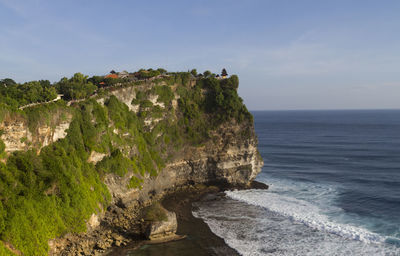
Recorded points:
49,193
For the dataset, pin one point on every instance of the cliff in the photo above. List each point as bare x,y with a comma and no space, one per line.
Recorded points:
91,165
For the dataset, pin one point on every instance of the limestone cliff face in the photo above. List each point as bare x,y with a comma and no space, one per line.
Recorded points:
18,136
229,158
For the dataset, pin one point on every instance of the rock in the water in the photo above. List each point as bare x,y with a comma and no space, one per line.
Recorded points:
258,185
162,229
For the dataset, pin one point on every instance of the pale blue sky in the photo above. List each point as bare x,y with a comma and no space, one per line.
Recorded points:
296,54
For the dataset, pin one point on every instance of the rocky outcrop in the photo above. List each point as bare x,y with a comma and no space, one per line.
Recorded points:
17,135
96,157
162,230
229,158
126,95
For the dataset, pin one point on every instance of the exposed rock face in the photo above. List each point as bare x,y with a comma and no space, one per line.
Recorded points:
162,229
126,95
229,159
17,135
96,157
118,187
94,221
14,134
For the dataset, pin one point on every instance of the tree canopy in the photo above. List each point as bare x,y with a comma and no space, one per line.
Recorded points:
77,87
17,95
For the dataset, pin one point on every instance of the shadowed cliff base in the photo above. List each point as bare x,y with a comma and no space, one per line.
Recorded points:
198,236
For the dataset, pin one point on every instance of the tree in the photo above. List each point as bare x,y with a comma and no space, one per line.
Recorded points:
7,81
144,74
77,87
79,78
193,72
207,73
96,79
224,73
113,72
162,71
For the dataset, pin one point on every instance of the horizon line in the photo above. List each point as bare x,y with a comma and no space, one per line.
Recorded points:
326,109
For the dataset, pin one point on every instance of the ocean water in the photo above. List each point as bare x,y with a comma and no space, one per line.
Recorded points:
334,181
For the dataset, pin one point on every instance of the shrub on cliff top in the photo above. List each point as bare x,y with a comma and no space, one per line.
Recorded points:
77,87
144,74
17,95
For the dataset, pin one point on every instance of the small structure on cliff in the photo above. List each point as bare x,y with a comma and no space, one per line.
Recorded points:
224,74
111,76
123,74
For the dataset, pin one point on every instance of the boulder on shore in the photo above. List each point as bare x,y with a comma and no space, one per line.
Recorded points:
163,229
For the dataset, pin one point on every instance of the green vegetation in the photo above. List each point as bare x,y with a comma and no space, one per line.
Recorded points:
193,72
165,94
116,163
4,251
16,95
77,87
46,114
203,112
48,194
2,148
224,101
144,74
7,82
4,109
101,81
207,73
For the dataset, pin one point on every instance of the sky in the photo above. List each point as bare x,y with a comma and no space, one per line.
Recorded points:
294,54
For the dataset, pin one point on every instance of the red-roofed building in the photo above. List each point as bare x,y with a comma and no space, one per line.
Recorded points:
111,76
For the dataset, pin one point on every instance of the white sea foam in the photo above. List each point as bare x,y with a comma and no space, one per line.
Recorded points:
252,231
289,219
303,212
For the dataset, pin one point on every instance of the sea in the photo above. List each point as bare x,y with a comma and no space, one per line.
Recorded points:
334,187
